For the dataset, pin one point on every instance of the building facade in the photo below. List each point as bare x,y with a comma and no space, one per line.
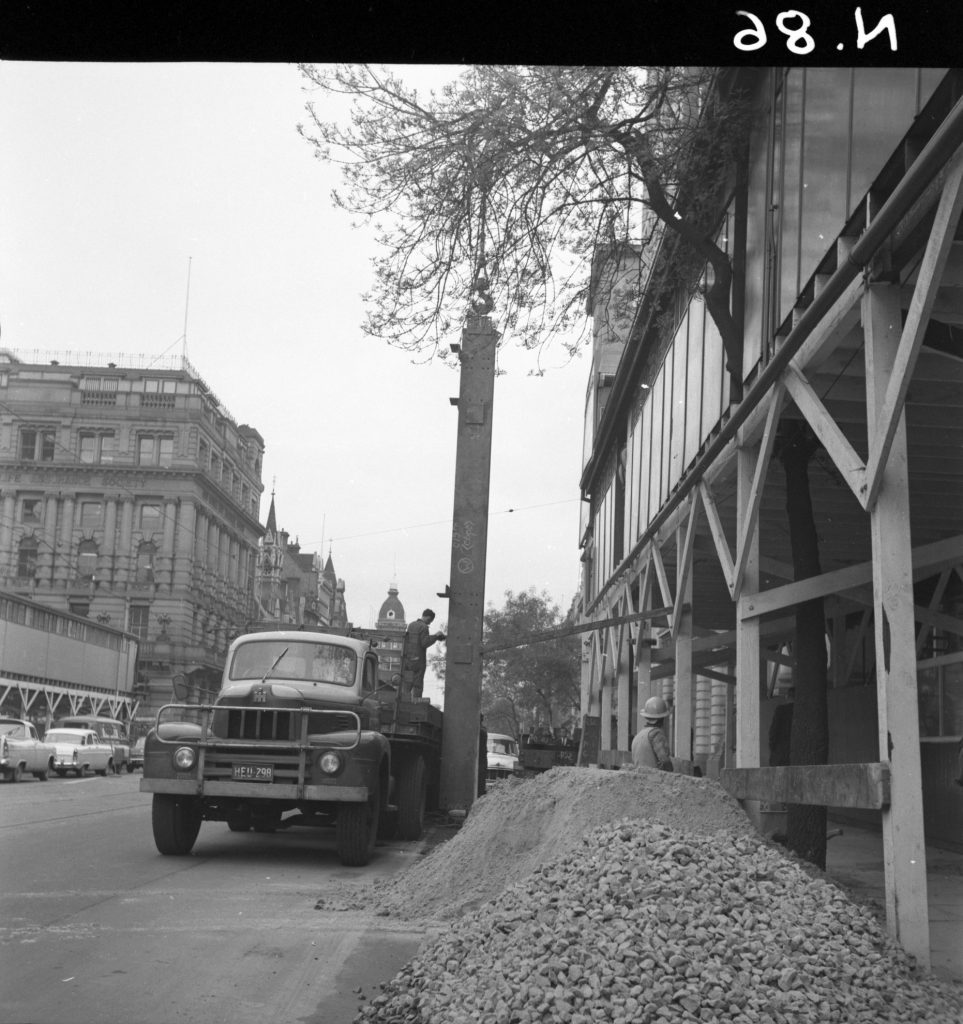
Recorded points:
291,588
388,635
130,496
842,233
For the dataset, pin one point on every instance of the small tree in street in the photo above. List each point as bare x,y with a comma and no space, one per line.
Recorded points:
527,686
529,171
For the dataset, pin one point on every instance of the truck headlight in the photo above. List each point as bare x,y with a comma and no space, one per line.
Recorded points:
330,763
184,758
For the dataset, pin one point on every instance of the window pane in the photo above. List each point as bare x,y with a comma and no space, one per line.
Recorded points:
166,451
28,443
30,510
91,514
150,517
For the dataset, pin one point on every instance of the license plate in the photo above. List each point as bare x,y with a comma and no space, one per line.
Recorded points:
253,772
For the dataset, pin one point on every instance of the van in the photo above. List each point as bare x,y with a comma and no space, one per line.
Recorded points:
110,730
502,756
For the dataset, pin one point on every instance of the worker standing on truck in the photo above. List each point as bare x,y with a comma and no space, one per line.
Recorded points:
650,747
415,657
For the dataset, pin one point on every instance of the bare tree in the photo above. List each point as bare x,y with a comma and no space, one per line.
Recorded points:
525,171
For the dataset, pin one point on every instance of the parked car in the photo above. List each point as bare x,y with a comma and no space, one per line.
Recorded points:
137,754
111,730
21,750
80,751
502,756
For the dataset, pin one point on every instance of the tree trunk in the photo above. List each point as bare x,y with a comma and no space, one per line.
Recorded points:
809,743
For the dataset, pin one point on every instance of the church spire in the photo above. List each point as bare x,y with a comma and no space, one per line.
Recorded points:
272,525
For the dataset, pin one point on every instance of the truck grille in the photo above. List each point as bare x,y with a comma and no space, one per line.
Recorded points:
275,724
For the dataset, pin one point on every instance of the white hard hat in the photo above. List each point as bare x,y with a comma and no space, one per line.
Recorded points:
655,707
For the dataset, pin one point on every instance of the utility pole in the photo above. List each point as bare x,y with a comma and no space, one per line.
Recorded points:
469,549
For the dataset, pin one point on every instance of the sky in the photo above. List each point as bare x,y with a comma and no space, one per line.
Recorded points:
169,209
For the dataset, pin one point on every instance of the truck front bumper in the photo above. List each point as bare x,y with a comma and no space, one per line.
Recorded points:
257,790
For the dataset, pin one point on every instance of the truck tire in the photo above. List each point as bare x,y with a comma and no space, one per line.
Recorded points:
16,773
176,820
357,829
130,767
412,792
45,772
109,770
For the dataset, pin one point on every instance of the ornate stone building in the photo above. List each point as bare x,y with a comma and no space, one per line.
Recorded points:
291,587
130,495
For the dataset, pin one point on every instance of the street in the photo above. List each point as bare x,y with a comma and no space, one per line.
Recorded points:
96,926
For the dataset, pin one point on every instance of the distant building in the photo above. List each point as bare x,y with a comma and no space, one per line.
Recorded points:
291,587
388,634
287,582
129,495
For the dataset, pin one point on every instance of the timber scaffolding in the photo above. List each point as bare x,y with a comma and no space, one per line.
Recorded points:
861,361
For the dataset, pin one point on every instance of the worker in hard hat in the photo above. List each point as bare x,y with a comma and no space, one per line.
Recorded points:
650,748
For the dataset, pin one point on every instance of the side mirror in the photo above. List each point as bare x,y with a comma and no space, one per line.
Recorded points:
180,686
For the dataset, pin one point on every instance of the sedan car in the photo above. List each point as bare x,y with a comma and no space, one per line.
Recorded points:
80,751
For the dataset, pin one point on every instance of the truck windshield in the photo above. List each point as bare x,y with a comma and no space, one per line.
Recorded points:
12,729
303,660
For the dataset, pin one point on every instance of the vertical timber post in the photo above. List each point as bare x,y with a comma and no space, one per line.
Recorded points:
469,548
748,674
904,851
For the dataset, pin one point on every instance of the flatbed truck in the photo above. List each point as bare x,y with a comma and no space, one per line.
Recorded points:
301,734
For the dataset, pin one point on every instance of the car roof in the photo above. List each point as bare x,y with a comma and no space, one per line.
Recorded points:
88,718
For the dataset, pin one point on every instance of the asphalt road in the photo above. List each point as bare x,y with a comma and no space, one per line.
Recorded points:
96,927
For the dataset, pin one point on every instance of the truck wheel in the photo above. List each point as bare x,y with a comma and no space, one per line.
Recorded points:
45,774
16,773
176,820
130,768
388,825
411,799
109,770
357,829
81,771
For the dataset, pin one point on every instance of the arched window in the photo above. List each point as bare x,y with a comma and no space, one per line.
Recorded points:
27,557
146,552
87,553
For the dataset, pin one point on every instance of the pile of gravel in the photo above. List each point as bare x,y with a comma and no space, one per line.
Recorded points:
521,824
640,921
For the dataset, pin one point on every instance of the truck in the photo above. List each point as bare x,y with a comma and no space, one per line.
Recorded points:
301,733
22,750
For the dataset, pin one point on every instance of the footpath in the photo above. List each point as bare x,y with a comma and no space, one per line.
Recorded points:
855,860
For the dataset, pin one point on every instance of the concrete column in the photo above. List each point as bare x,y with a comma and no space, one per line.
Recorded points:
125,542
170,524
109,548
469,550
8,557
65,558
184,545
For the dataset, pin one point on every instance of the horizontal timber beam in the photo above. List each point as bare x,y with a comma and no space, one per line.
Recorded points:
822,785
